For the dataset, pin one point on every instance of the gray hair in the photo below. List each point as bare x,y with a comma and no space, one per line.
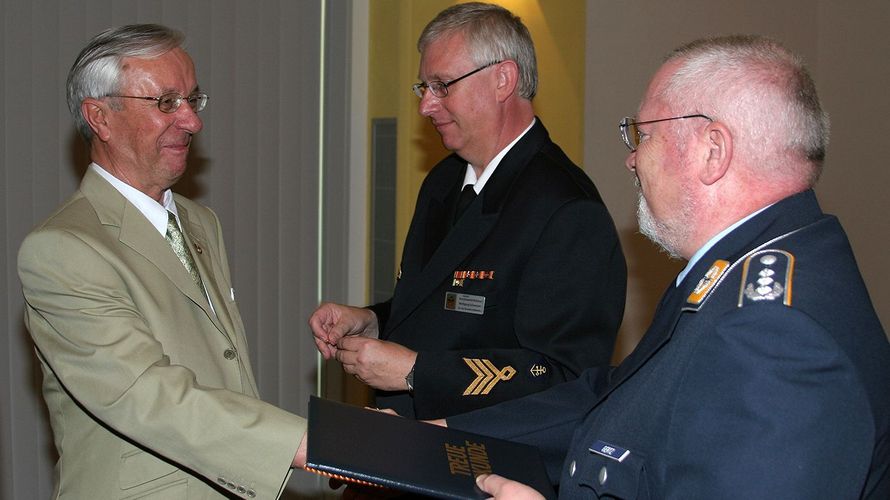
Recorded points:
492,33
97,72
762,92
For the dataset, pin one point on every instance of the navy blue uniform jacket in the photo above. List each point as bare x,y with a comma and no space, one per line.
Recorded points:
768,379
540,247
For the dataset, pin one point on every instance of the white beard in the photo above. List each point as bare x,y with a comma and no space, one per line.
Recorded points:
668,234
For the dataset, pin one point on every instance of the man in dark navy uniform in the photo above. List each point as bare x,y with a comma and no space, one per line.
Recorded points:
512,277
765,372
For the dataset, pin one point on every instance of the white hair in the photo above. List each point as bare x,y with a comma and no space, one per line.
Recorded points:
762,92
97,71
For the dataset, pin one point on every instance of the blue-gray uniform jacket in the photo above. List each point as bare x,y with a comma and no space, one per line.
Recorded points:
765,374
525,291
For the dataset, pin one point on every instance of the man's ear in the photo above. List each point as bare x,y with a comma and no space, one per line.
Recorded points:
719,150
507,74
95,112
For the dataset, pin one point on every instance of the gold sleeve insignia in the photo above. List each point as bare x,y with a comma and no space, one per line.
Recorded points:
487,376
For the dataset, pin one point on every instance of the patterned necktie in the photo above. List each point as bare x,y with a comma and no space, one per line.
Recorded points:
176,240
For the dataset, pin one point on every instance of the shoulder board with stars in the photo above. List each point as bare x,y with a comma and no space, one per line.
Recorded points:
767,276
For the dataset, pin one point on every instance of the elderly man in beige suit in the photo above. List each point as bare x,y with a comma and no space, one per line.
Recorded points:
130,304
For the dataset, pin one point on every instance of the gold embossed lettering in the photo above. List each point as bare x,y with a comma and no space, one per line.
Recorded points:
458,463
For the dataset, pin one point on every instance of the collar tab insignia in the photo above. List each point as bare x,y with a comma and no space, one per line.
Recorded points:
706,284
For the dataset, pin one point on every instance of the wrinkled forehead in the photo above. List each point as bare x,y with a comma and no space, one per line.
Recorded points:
173,70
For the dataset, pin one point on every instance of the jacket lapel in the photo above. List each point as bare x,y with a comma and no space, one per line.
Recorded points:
443,247
200,248
137,233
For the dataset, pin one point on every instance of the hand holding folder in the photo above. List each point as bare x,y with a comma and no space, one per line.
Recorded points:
373,448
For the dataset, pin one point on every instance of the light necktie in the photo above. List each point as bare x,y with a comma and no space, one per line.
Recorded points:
181,249
467,195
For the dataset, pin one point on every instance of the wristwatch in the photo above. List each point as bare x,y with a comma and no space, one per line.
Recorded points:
409,381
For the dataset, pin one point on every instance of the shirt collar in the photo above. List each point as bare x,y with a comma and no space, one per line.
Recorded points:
479,183
710,244
155,212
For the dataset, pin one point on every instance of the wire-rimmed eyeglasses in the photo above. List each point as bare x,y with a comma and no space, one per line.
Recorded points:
630,131
439,88
169,103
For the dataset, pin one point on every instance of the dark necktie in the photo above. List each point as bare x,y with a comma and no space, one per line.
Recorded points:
467,195
181,249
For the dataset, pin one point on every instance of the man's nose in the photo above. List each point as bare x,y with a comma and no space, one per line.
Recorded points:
631,161
188,119
429,103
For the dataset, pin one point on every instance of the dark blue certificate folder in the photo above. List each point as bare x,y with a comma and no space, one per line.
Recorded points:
369,447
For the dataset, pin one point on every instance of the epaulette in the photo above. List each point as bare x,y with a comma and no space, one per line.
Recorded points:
767,276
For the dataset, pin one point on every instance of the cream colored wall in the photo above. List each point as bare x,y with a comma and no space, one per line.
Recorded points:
558,31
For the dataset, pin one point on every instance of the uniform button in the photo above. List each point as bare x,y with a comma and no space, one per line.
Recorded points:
572,469
242,490
221,480
603,475
198,248
230,485
229,354
251,493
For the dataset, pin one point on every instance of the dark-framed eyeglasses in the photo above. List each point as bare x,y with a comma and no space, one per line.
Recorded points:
169,103
439,88
630,131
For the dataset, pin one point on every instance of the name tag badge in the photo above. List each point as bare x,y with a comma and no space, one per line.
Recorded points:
610,451
463,302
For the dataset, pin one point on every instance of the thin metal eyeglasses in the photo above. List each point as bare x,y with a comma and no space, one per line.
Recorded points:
630,132
439,88
169,103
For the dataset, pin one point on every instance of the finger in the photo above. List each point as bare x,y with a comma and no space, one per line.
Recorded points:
353,343
489,483
320,321
339,331
347,357
326,350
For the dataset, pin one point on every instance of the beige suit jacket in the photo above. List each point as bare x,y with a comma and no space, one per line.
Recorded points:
150,392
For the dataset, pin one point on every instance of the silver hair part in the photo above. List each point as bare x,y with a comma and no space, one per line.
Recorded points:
97,71
492,33
762,92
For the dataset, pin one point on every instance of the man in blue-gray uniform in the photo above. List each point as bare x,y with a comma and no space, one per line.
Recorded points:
765,372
